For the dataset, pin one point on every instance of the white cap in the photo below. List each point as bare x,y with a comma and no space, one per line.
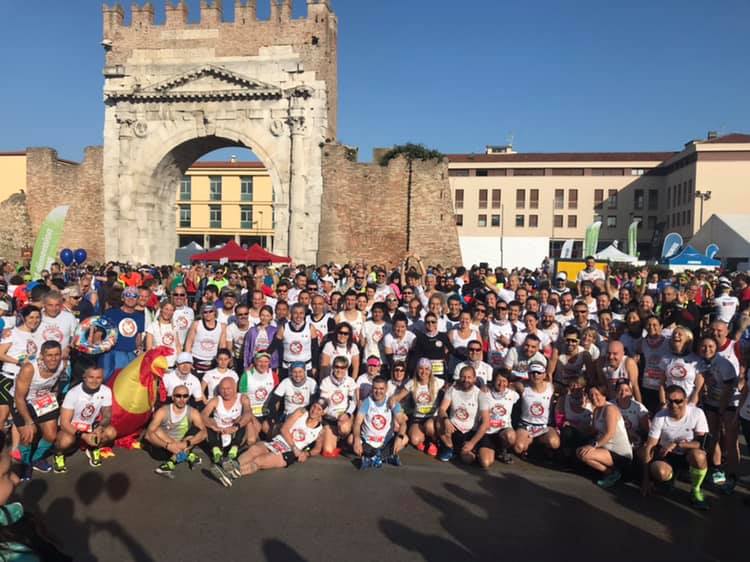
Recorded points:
185,357
562,275
328,279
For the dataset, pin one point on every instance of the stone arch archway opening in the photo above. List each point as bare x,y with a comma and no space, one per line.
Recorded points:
199,194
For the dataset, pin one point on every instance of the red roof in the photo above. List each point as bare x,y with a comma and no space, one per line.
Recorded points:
231,251
731,138
257,254
531,157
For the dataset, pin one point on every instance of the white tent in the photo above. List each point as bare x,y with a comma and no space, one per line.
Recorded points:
611,253
730,232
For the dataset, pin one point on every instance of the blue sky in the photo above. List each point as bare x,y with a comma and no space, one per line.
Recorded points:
452,74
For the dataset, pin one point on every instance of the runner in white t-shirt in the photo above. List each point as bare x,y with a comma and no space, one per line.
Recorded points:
212,378
461,424
162,332
675,441
183,375
80,420
296,390
498,401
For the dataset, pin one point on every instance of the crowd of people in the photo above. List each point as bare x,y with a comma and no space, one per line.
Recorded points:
629,373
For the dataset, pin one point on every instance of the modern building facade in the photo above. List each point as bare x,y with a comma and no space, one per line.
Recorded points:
222,201
516,208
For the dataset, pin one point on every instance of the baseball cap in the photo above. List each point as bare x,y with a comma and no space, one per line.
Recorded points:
185,357
228,293
537,367
562,275
373,361
207,308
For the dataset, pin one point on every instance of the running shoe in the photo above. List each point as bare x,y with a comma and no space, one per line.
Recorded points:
232,468
609,480
59,464
333,454
26,472
446,454
216,455
505,458
698,501
95,457
432,450
233,452
166,469
377,461
395,460
15,454
193,460
729,486
221,476
42,465
420,447
366,463
718,477
180,457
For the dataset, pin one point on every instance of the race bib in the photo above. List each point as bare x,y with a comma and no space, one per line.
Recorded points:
82,427
44,404
258,410
438,368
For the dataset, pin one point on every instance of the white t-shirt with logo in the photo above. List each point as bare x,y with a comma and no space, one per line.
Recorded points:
294,396
669,430
61,328
500,406
86,407
464,408
172,380
213,377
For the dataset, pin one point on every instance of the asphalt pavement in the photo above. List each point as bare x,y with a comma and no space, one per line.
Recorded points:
326,509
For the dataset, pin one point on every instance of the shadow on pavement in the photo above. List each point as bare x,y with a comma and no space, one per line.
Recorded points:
277,551
61,516
513,518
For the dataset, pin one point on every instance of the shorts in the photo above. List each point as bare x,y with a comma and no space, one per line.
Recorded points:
49,416
492,441
677,462
534,429
715,409
621,463
572,438
459,438
6,386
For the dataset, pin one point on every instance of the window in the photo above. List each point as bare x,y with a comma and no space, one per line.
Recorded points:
246,216
689,218
528,172
185,189
184,216
533,221
677,196
611,221
572,221
653,199
246,188
459,199
598,218
534,199
480,173
497,172
215,216
495,220
459,220
669,198
520,199
483,199
638,200
572,199
215,188
559,198
519,220
612,199
651,222
482,220
458,173
607,172
565,172
496,198
598,198
684,217
558,221
636,171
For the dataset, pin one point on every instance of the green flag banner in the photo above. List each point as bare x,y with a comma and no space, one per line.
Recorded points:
591,239
45,248
633,238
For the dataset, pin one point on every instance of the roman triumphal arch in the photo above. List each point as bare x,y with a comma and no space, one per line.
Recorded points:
177,90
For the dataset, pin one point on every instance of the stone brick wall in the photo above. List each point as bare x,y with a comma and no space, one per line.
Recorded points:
51,182
15,227
365,210
313,37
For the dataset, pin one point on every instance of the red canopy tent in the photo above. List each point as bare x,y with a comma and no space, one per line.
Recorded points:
257,254
231,251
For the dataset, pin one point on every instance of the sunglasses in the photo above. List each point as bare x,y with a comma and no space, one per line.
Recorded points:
571,340
180,294
502,308
399,370
242,315
676,402
430,322
180,396
344,333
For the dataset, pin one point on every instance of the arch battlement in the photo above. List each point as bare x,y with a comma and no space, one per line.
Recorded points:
211,15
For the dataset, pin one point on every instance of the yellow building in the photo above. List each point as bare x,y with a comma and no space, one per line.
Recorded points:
12,173
222,201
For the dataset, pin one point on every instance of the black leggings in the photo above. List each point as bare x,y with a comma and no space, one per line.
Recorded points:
745,426
214,439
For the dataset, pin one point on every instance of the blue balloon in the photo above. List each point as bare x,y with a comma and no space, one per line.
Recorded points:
66,256
80,255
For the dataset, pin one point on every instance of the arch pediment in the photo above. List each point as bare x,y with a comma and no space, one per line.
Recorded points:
204,83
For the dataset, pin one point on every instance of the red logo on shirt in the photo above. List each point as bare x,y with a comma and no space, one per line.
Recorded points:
378,422
499,411
260,394
31,347
295,347
537,409
52,333
167,339
337,397
182,322
677,371
127,327
423,398
462,414
88,411
298,398
298,435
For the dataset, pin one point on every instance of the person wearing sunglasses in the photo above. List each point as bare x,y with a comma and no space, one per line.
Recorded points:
236,332
183,316
175,429
433,344
374,332
570,361
162,332
536,408
205,338
341,345
399,343
376,439
339,390
483,370
294,392
461,424
500,436
675,443
499,335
